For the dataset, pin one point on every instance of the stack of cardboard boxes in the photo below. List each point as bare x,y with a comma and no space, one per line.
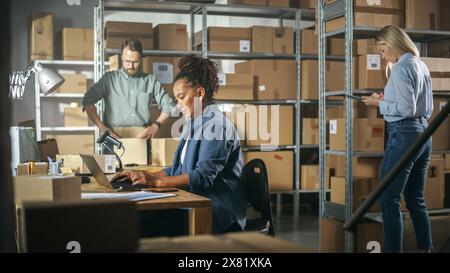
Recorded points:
268,3
40,46
117,32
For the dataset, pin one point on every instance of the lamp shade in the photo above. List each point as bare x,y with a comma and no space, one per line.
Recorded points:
49,80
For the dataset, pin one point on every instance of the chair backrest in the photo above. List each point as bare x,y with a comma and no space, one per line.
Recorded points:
79,226
255,175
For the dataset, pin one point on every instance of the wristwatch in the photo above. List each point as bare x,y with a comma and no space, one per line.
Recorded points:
157,123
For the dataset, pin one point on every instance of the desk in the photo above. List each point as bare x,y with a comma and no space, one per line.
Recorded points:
200,213
235,242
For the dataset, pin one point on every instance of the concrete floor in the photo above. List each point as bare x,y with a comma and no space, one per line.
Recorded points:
304,230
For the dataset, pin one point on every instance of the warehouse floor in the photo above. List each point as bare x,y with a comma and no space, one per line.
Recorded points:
304,230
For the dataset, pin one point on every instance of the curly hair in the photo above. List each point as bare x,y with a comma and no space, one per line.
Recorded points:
196,70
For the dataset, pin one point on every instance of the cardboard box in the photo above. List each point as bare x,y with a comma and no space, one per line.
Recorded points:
424,15
75,117
264,127
164,69
106,162
366,46
283,40
171,37
74,83
236,87
225,39
74,143
371,72
309,42
372,14
310,178
335,79
332,236
172,123
136,149
247,2
362,187
435,185
447,161
368,134
262,39
440,73
361,166
439,49
441,137
238,115
47,148
117,32
360,110
40,29
303,4
46,188
278,3
32,168
275,80
280,168
163,151
77,43
310,131
115,62
336,47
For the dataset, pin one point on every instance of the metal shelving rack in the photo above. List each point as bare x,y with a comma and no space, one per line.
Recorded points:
350,32
58,96
206,10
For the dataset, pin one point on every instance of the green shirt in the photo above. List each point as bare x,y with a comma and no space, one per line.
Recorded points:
128,98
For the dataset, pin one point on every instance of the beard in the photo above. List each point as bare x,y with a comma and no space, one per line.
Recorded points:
131,72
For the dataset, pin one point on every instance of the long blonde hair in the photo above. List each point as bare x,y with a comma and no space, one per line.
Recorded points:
398,41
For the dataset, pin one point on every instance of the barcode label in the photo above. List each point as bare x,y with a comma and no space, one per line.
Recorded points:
373,62
244,46
163,72
333,126
222,79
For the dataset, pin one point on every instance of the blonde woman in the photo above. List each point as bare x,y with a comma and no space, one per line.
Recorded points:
406,105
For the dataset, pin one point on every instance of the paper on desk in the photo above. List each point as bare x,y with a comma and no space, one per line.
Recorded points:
132,196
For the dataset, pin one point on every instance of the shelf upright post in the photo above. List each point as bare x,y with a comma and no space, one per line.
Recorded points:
99,59
298,40
204,32
37,98
322,109
349,236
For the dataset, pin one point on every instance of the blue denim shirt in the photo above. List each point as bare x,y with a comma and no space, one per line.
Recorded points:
213,162
408,92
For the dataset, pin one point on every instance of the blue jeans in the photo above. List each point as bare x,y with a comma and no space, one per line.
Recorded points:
410,181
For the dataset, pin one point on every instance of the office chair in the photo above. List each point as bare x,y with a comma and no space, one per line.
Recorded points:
79,226
255,176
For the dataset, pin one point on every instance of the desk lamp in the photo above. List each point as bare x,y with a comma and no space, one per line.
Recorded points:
48,80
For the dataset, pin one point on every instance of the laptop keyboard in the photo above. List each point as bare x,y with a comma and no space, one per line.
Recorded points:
126,184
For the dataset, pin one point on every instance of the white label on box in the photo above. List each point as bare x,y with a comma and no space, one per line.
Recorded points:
442,104
333,126
222,79
374,2
373,62
89,74
262,88
163,72
110,164
244,46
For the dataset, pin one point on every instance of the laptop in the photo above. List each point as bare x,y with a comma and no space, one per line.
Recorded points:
104,180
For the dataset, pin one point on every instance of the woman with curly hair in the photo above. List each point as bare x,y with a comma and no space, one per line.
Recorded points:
208,159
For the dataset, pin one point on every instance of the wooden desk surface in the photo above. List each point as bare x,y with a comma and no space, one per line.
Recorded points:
200,213
235,242
183,199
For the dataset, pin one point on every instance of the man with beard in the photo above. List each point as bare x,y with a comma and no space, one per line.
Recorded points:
128,94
